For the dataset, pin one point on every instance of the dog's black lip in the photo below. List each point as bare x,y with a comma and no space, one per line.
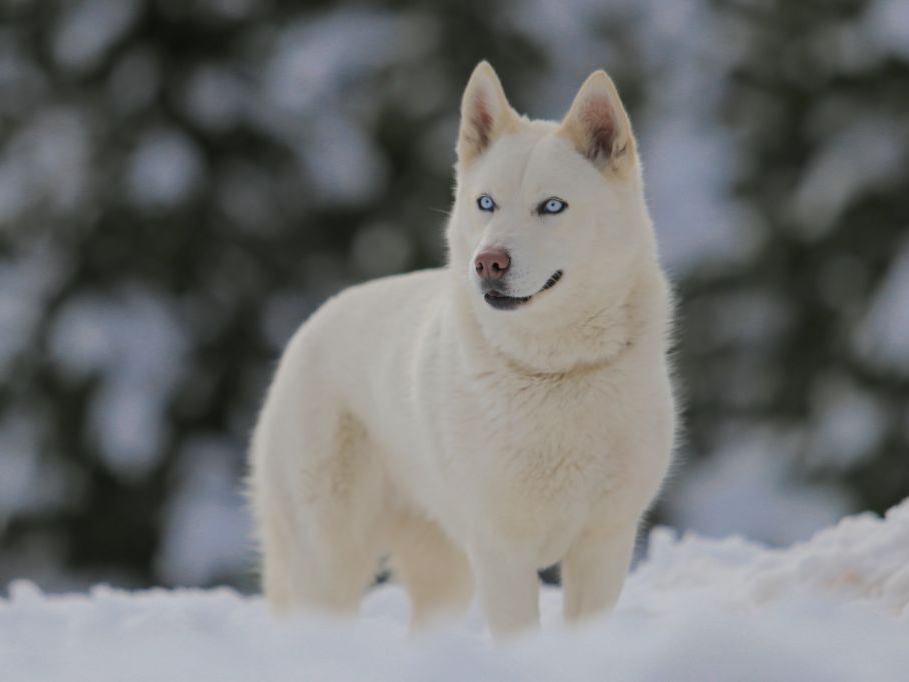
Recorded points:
501,301
551,282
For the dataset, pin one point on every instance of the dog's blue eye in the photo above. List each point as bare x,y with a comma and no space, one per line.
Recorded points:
552,206
486,203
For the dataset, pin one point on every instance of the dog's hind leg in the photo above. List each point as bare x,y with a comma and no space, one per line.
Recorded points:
435,572
317,494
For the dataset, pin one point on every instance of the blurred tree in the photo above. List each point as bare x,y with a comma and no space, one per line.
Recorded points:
182,183
806,341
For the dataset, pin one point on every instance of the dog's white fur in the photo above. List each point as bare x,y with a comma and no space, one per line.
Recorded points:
410,418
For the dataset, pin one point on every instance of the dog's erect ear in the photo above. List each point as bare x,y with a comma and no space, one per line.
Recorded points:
598,126
485,113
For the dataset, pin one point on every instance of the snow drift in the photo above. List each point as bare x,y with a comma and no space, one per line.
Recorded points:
833,608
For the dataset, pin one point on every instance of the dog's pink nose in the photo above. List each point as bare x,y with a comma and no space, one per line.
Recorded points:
492,263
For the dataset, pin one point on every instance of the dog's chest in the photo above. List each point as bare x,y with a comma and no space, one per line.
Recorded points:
547,439
536,456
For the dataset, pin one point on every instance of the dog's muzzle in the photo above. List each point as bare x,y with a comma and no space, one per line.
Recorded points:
502,301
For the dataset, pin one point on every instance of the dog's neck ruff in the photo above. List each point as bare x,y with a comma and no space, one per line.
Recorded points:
595,343
578,370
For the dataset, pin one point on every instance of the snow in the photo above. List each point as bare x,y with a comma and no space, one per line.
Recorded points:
46,165
321,58
27,280
19,475
887,26
833,608
684,159
868,154
343,164
215,97
135,342
165,169
883,338
315,95
91,27
686,152
849,423
748,484
207,530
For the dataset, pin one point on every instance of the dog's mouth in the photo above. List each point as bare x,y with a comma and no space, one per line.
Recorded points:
501,301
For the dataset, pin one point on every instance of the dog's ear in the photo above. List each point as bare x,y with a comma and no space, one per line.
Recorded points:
598,126
485,113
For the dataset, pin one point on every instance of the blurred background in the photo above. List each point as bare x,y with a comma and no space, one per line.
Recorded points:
182,182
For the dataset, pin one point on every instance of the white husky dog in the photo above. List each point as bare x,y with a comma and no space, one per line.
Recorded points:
483,420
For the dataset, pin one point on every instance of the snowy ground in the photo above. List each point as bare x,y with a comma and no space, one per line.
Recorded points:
834,608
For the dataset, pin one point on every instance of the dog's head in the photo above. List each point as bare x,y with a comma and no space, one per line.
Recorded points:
549,219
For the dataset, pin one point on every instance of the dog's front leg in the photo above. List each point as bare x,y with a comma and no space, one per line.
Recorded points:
509,590
594,570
